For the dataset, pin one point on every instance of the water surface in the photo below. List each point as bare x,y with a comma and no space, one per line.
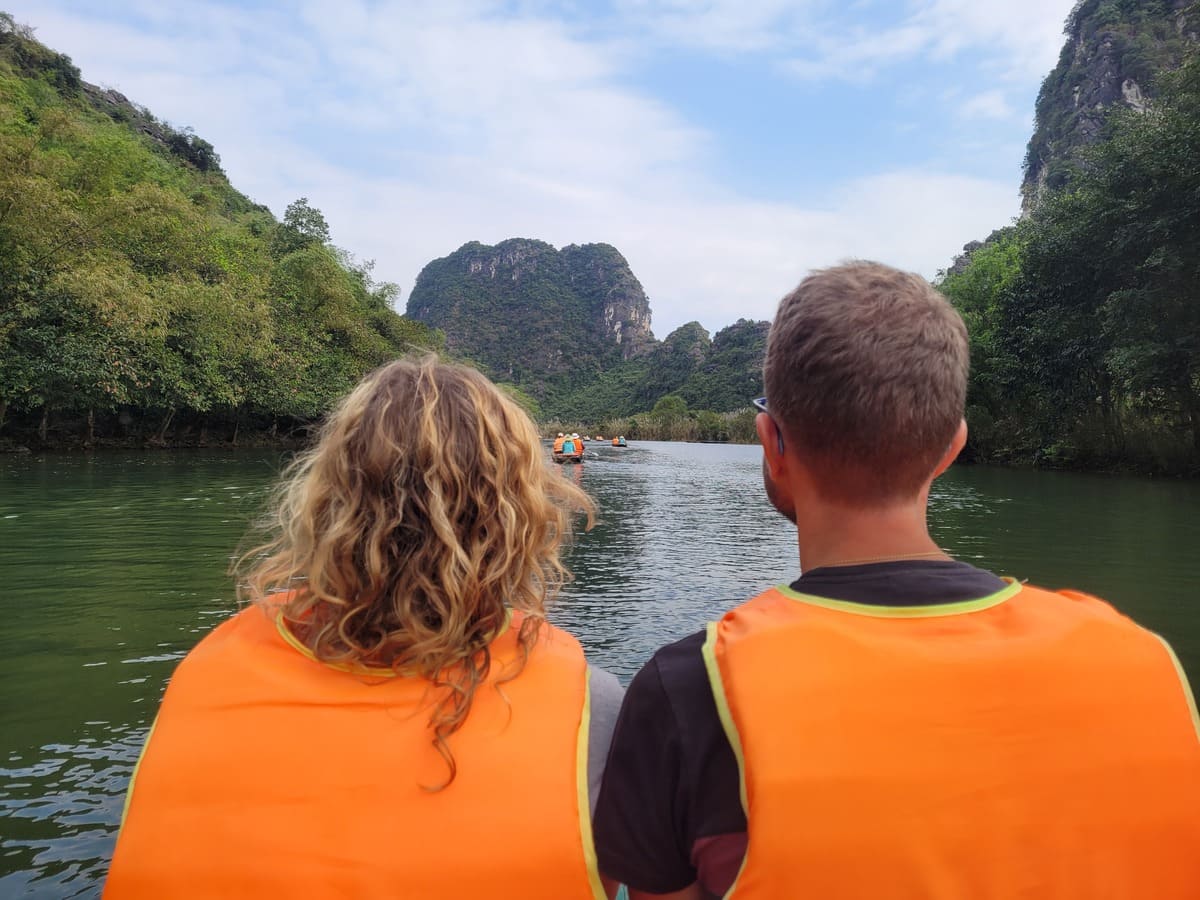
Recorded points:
113,566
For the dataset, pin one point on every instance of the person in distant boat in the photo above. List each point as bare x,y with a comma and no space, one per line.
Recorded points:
391,715
572,446
895,723
558,442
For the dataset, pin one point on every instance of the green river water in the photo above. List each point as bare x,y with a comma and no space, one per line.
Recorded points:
112,566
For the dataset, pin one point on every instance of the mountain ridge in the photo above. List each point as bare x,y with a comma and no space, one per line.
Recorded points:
572,328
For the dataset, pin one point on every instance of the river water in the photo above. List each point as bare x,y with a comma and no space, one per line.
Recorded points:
112,566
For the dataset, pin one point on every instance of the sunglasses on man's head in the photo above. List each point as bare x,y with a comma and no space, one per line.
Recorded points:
760,403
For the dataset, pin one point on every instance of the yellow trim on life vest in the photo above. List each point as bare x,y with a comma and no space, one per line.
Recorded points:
717,683
583,793
133,775
374,671
1184,683
906,612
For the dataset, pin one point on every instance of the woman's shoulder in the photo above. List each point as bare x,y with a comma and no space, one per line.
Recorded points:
606,692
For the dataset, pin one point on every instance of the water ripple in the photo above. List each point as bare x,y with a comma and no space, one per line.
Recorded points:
112,567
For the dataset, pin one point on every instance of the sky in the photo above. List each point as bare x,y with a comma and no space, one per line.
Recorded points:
725,147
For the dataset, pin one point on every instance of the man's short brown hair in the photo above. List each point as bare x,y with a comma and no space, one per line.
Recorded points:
866,374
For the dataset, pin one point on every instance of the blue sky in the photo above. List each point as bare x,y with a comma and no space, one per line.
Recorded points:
726,147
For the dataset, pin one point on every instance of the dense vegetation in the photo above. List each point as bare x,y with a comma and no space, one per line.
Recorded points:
141,296
1085,317
570,331
669,420
544,319
719,374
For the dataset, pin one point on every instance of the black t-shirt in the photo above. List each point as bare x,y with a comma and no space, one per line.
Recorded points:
669,812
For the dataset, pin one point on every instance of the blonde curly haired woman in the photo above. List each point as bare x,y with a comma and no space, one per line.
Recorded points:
391,715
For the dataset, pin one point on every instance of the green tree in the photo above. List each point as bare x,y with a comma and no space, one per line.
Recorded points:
981,291
134,277
1085,318
1119,256
302,226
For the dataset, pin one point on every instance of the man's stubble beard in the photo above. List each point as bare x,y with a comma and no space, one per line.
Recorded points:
782,503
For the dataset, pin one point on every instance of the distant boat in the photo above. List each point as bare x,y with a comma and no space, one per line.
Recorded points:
571,450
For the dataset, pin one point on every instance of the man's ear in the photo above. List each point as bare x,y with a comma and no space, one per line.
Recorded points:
953,448
772,442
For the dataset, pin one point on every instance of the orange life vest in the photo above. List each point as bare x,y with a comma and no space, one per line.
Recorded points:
558,444
1031,744
269,774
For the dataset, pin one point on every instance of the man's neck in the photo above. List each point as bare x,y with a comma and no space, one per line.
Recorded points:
832,535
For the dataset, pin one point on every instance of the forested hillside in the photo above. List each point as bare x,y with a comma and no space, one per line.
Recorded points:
533,315
142,297
1085,315
720,374
571,328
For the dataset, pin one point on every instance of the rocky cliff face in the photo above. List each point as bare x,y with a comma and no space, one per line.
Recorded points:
532,314
572,328
1113,52
601,277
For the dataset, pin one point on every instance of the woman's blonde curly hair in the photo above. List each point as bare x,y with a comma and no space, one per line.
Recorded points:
425,512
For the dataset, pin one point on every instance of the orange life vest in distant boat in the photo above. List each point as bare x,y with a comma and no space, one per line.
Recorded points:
558,444
1030,744
269,774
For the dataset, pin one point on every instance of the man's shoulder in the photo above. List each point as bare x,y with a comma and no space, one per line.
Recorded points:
676,670
672,778
681,650
1098,612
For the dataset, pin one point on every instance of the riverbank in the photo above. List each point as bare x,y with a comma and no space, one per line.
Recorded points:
299,437
244,441
121,432
152,430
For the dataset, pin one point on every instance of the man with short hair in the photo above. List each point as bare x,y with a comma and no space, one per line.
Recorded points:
895,723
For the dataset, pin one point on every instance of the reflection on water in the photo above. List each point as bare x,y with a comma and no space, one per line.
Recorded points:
112,567
684,531
1132,541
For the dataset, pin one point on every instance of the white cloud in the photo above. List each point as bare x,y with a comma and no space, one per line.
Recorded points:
1018,38
722,25
858,55
418,126
707,257
1025,36
988,105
